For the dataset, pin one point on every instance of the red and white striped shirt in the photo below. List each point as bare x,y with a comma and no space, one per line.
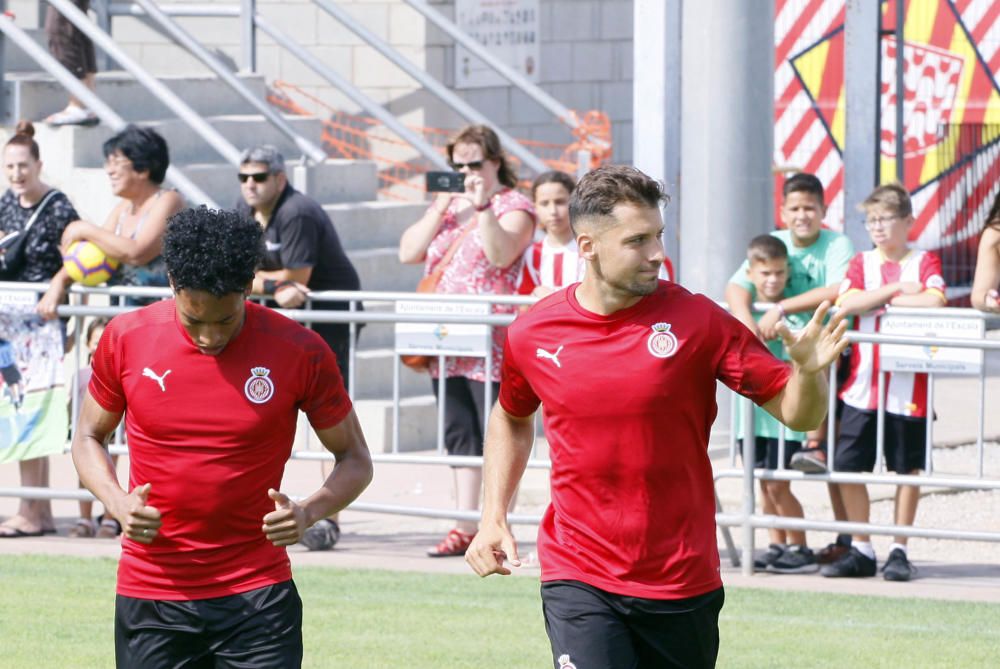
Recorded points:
906,392
553,265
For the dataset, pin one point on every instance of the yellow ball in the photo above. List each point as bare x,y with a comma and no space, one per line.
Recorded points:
86,263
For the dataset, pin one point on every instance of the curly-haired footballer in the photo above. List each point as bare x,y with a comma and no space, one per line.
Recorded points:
212,385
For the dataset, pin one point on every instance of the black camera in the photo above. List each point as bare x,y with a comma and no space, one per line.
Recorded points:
445,182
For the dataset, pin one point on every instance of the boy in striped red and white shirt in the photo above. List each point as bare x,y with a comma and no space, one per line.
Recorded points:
890,274
554,262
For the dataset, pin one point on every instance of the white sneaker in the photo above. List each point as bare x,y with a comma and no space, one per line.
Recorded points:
73,115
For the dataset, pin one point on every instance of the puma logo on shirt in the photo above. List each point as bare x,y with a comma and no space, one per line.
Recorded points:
148,373
554,357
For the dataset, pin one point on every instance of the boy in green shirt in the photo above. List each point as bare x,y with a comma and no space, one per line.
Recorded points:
767,271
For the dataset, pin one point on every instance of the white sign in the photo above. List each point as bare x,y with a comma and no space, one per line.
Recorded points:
451,339
509,29
18,297
902,358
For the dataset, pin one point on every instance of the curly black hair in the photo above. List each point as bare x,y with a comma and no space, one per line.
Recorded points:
214,250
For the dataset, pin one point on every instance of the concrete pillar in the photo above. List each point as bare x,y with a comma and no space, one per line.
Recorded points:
656,104
727,140
861,124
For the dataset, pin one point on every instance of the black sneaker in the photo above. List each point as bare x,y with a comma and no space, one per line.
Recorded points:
774,551
322,536
795,560
897,567
852,565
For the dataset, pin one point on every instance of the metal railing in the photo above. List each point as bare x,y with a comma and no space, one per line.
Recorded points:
746,519
107,115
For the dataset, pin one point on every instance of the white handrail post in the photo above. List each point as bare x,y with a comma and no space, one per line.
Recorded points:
248,35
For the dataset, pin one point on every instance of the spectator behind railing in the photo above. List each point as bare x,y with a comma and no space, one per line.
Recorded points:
303,253
136,161
788,553
817,262
33,216
75,52
106,527
987,281
890,274
492,224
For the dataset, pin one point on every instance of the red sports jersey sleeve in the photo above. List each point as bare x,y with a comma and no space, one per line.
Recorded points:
855,277
105,381
516,396
745,365
327,401
931,274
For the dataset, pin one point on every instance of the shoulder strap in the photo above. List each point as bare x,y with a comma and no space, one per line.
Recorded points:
453,249
38,210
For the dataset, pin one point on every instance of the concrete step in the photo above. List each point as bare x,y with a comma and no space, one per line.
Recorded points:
365,225
35,95
417,423
89,192
16,60
75,146
380,269
373,378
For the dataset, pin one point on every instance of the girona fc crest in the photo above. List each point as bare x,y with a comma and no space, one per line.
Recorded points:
662,343
931,79
259,388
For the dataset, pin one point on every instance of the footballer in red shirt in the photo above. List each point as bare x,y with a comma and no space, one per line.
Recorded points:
626,366
210,387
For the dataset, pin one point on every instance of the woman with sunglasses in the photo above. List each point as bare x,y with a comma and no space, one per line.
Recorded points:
491,224
136,161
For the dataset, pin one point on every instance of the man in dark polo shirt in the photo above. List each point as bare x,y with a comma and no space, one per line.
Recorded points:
303,253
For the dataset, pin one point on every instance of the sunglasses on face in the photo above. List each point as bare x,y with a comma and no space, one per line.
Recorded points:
258,177
472,165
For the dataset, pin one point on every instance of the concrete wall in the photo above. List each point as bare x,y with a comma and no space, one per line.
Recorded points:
586,61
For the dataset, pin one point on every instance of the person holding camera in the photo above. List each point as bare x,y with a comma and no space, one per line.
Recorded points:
480,234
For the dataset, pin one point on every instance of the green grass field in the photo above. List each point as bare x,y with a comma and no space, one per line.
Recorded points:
57,612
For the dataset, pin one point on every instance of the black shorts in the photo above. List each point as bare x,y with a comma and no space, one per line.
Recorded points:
766,452
593,629
464,413
257,629
905,442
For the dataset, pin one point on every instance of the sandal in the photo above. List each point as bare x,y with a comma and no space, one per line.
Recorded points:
109,528
456,543
84,529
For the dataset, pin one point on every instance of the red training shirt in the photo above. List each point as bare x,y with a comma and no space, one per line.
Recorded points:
211,434
629,403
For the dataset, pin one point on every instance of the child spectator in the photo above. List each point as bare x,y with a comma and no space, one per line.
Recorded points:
106,527
890,274
817,263
554,262
767,259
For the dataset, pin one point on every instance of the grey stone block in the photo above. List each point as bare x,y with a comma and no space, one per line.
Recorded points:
417,423
16,60
624,55
575,20
35,96
363,225
380,269
373,376
592,61
616,99
616,18
556,62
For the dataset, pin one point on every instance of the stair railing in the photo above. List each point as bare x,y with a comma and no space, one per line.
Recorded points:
107,115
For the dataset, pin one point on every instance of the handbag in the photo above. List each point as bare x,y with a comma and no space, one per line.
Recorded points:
12,245
429,284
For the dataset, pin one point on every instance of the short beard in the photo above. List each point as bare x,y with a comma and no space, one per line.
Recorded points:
632,288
